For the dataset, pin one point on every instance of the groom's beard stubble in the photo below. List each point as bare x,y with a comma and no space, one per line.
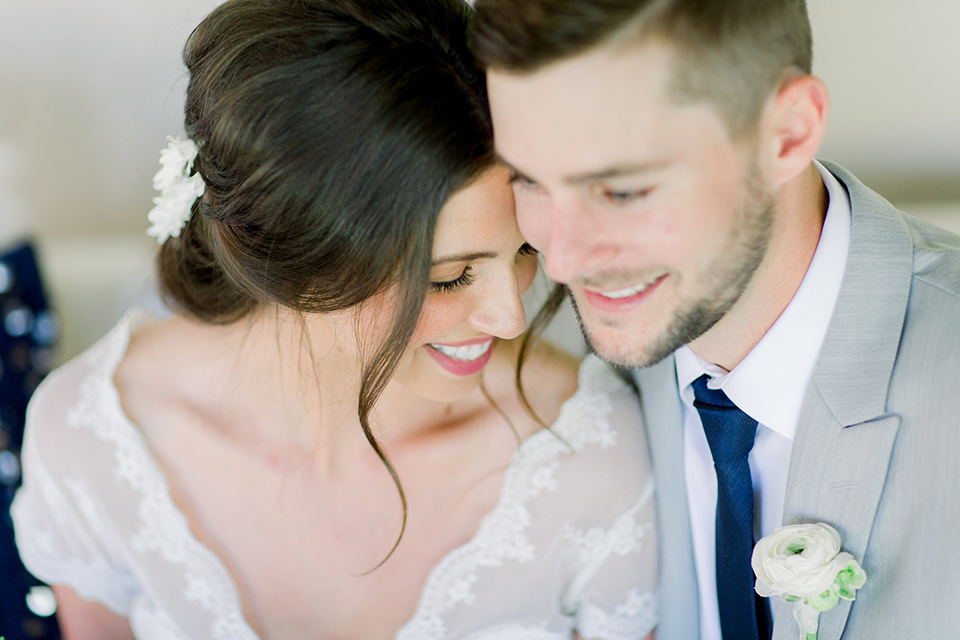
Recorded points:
725,280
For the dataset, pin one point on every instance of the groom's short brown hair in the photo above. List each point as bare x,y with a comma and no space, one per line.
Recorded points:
732,53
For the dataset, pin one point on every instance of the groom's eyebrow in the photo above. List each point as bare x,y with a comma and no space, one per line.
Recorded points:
617,171
464,257
614,171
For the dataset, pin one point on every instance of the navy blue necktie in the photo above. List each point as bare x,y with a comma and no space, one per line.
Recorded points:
730,433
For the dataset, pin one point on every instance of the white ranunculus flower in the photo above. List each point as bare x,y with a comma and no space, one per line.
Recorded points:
800,560
803,563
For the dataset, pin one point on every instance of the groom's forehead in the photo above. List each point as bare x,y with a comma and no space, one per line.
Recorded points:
585,115
601,88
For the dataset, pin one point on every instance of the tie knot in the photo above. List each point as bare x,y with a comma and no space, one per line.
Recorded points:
714,398
730,432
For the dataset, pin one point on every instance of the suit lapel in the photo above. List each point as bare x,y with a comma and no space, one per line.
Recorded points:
845,436
837,473
663,419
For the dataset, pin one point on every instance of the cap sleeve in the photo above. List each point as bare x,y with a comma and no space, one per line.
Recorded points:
64,531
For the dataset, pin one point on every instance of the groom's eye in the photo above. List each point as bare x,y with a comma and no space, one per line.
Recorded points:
620,197
521,180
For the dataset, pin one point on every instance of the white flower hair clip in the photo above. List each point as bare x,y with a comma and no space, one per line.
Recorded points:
178,189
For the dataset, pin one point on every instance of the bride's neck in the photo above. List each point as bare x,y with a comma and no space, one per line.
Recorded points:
299,379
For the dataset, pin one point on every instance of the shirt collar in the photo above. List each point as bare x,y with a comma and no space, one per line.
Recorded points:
770,383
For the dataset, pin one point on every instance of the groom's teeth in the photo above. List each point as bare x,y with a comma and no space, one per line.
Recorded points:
633,290
471,352
629,291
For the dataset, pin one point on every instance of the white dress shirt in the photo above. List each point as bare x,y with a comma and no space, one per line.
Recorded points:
769,385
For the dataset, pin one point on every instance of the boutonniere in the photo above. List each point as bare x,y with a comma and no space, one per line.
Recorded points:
804,563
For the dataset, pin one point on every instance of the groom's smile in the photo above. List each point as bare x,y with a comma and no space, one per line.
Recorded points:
621,298
652,215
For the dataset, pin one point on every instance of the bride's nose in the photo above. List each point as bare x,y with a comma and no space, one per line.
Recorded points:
499,309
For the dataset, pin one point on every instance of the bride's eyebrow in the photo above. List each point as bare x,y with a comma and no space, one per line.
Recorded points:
464,257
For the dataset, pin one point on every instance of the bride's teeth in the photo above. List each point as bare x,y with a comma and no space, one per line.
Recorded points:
471,352
629,291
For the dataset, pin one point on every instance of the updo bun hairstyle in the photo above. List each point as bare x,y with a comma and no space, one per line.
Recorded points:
330,135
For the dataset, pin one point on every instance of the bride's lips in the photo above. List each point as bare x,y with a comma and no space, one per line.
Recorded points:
606,303
461,367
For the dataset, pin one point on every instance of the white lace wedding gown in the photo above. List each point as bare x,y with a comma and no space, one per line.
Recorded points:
571,544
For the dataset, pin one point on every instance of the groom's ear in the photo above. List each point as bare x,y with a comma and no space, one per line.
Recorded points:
794,124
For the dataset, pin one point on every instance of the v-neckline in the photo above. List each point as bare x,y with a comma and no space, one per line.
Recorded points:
199,552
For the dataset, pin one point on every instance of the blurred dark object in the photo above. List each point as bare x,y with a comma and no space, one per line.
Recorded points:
28,335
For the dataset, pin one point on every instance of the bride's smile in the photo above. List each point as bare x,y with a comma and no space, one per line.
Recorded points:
478,247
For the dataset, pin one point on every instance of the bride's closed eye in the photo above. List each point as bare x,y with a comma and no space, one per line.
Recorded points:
467,277
448,286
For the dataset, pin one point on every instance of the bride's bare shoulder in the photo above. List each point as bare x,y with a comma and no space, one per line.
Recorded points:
169,365
158,349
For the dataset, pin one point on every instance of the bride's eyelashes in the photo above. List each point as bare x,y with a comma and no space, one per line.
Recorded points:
527,250
467,277
449,286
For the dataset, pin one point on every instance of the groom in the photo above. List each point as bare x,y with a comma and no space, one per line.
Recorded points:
796,339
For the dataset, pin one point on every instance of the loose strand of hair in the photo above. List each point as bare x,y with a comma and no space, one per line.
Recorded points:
499,410
375,377
540,321
378,373
548,310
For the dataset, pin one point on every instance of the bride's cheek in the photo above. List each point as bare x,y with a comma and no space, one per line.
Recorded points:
439,315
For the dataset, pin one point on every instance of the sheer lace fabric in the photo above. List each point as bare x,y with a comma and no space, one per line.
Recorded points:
570,545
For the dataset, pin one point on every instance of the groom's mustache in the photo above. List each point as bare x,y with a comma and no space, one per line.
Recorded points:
609,280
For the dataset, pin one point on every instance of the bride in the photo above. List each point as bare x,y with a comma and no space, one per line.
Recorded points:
329,437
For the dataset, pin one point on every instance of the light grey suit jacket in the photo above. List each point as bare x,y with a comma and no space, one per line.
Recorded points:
877,447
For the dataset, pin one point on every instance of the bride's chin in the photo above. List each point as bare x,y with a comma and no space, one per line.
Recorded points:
447,396
427,379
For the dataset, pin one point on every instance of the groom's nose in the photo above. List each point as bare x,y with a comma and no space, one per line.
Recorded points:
569,235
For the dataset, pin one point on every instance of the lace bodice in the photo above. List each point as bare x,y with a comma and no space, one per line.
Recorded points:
571,543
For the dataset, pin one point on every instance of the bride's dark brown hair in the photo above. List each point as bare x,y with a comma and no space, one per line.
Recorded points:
330,135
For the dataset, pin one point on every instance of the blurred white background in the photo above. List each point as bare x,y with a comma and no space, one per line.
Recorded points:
89,90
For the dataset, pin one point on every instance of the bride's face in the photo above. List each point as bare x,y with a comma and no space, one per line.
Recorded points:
481,265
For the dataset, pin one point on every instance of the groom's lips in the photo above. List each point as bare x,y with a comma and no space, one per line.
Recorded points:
614,305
